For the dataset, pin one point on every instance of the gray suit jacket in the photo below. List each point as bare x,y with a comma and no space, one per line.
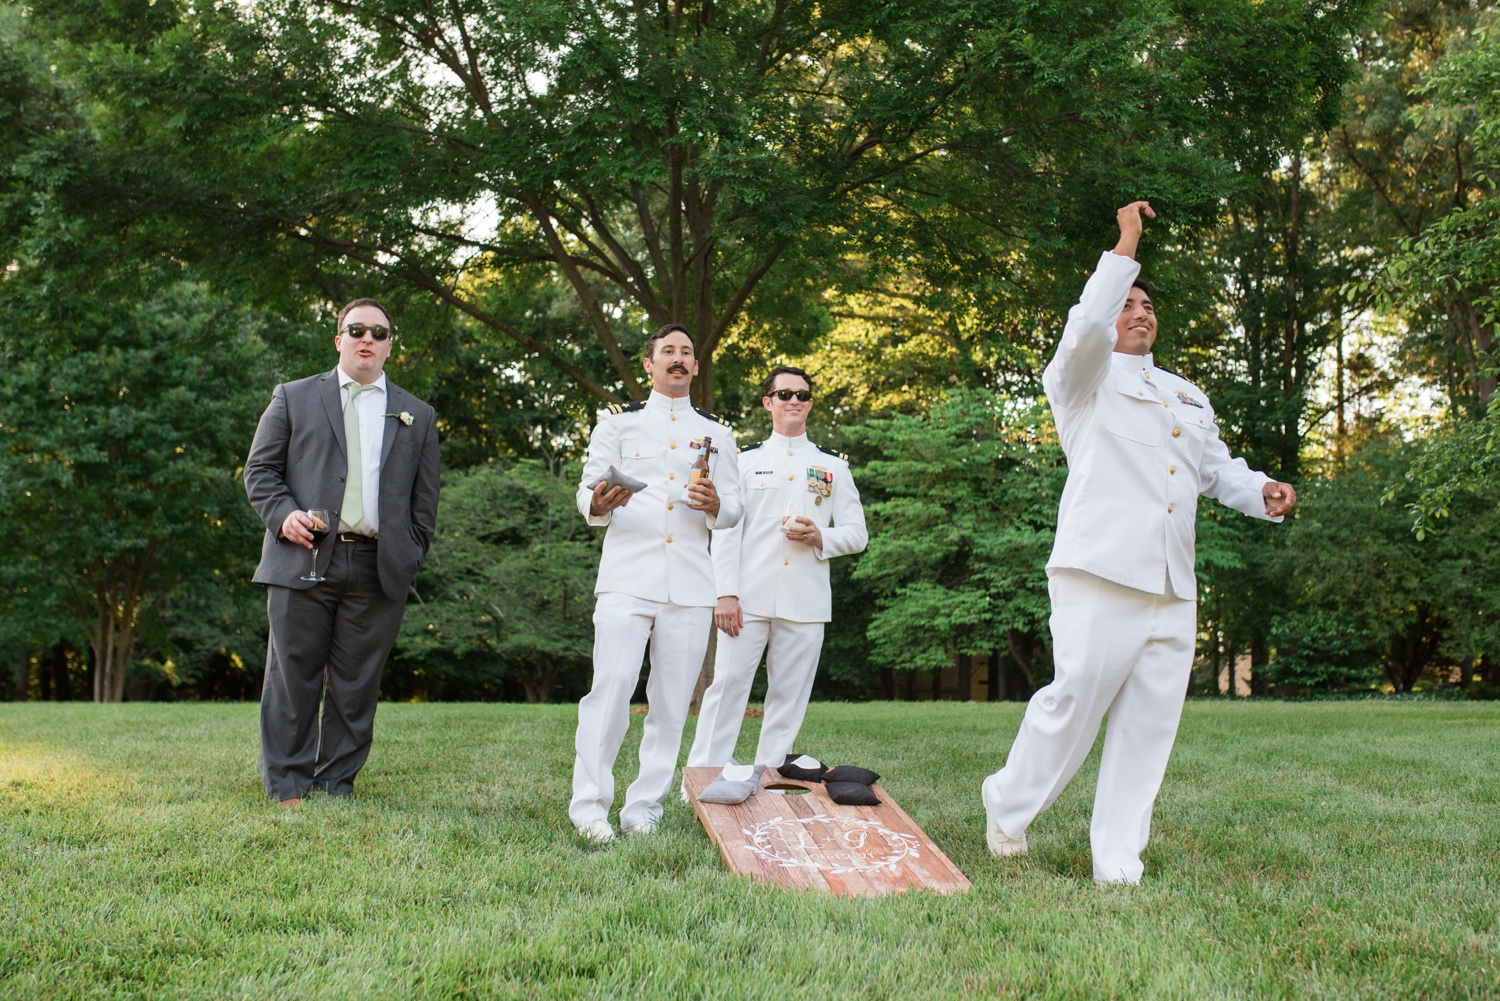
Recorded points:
298,461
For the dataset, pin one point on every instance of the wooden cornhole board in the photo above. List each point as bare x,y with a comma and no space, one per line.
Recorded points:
809,841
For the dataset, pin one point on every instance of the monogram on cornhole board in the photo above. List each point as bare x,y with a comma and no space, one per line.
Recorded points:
808,841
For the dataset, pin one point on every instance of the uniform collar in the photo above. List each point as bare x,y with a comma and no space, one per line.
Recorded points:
1132,363
782,441
661,401
345,378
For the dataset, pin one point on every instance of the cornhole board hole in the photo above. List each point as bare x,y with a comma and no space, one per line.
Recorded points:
807,841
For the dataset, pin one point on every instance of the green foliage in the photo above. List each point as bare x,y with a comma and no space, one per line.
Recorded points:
1318,651
124,426
1365,588
721,164
958,548
507,596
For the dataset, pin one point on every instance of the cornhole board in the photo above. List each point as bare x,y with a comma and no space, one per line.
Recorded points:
808,841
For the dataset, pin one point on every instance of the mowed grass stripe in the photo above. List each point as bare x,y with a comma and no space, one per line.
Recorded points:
1299,850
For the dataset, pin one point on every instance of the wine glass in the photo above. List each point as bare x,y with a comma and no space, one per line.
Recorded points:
319,533
795,509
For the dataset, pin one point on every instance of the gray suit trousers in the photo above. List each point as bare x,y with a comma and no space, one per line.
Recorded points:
329,643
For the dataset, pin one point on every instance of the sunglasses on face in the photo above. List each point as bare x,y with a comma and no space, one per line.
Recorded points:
375,330
786,394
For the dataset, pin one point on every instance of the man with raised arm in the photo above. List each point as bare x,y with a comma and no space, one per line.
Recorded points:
656,580
1142,445
802,509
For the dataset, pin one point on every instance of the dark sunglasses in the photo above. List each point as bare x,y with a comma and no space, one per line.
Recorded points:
375,330
786,394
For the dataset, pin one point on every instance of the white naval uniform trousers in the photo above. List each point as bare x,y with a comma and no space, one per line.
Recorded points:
1141,445
656,589
783,590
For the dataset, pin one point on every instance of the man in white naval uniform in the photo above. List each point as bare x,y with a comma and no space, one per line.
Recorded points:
773,577
656,582
1141,445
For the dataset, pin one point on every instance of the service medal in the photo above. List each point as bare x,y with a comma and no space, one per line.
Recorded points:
819,481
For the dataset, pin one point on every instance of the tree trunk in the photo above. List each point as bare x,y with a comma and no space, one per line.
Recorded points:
937,685
113,638
995,690
62,686
887,684
23,678
965,676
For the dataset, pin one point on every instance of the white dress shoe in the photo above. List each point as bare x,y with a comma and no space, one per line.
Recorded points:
685,797
645,827
598,831
1000,843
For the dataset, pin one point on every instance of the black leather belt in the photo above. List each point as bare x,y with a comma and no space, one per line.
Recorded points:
351,537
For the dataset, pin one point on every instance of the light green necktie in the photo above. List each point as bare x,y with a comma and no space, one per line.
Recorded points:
354,482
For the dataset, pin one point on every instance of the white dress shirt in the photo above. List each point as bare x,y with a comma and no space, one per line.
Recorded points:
656,547
770,574
370,405
1142,444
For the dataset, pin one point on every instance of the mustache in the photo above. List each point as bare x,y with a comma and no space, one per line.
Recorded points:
677,366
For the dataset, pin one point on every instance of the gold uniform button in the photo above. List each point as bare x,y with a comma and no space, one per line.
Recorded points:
669,505
786,563
1171,469
790,452
817,500
673,476
1169,511
1140,392
672,445
673,416
1164,403
1177,432
637,455
1146,374
669,538
788,476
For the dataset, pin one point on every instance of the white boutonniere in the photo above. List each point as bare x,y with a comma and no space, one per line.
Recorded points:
405,417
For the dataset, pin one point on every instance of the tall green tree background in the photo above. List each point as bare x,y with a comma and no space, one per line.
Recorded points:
903,198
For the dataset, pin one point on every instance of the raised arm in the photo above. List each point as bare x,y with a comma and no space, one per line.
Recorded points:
1082,359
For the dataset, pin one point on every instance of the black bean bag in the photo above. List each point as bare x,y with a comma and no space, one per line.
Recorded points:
800,766
851,773
852,794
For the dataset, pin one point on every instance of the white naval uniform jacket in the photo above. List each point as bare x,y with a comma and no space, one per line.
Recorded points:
771,575
656,546
1141,444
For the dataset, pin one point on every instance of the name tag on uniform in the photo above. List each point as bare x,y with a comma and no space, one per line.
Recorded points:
819,481
1185,398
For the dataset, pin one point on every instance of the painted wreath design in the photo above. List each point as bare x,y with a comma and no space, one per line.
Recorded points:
903,845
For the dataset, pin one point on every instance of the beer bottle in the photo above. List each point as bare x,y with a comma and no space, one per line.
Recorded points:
700,466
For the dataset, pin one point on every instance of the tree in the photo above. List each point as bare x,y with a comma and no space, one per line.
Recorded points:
507,594
124,419
717,164
1416,161
958,549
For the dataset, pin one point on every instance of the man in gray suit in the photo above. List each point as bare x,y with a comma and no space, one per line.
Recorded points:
361,448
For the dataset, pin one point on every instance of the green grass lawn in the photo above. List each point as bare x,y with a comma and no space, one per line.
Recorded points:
1299,850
